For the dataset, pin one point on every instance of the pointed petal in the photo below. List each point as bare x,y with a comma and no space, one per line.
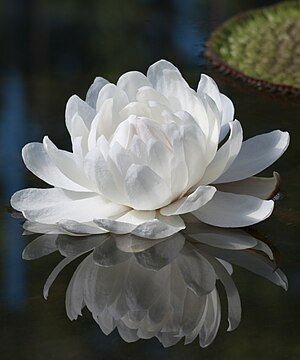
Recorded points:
232,210
93,91
227,116
76,105
189,203
50,206
226,155
256,154
131,81
39,163
111,91
66,163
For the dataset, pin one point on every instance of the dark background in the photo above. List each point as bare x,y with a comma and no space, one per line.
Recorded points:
51,49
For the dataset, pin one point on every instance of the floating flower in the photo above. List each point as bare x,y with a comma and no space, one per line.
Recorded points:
147,151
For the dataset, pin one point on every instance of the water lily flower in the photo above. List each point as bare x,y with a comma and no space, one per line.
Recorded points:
145,152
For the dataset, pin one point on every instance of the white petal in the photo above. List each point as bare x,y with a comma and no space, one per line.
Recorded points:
111,91
256,155
147,94
227,116
146,190
208,86
131,81
66,163
76,228
103,124
135,108
167,79
193,138
78,128
39,163
93,91
142,225
261,187
101,173
50,206
225,155
164,226
76,105
191,202
232,210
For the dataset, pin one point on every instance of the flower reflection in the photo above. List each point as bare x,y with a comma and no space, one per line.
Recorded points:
164,288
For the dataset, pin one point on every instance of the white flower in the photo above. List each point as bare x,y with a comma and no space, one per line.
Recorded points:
145,152
158,288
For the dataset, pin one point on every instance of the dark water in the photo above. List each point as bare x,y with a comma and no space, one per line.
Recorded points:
53,49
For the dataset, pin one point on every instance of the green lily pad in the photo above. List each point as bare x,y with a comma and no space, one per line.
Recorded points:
261,46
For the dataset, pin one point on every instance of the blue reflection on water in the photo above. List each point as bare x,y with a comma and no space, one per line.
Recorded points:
12,137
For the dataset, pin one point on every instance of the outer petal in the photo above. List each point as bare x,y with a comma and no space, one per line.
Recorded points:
39,163
93,91
208,86
50,206
256,155
225,155
227,116
190,203
261,187
66,163
76,105
232,210
78,228
153,226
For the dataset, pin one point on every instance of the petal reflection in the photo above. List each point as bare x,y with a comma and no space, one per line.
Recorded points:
162,288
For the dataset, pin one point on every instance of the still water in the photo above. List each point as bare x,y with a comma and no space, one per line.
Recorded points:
54,49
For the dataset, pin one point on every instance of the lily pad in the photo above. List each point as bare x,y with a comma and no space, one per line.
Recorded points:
261,46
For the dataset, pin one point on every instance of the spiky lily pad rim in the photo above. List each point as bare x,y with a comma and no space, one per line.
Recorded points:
229,70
